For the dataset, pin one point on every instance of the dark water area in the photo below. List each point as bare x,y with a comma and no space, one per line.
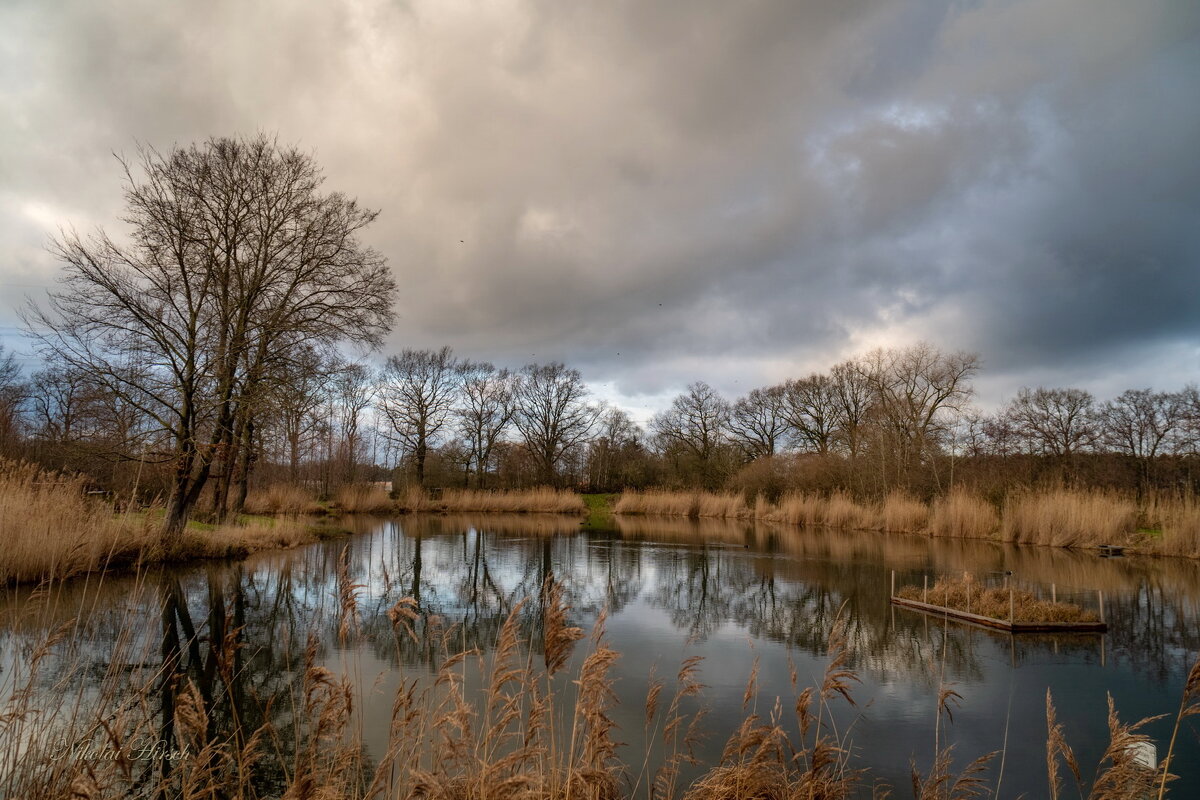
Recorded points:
732,593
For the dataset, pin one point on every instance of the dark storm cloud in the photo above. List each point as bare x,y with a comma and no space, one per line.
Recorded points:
718,191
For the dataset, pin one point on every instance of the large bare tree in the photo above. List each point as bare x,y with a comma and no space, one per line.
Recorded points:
1056,422
234,255
697,423
416,395
485,411
553,414
918,390
757,422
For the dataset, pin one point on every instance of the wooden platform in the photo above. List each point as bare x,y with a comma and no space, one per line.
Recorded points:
1001,624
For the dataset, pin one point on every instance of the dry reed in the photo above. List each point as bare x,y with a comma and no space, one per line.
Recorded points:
49,529
361,498
539,500
963,515
1162,524
282,498
525,737
1068,518
967,594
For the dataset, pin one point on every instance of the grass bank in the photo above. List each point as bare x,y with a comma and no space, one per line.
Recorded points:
1161,524
50,529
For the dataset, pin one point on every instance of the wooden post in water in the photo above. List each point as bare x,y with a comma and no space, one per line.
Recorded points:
1053,595
1100,595
925,591
893,594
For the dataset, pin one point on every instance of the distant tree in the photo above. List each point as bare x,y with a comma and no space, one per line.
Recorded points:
234,257
484,412
757,422
1056,422
616,456
1141,423
854,397
353,389
552,414
416,395
12,392
813,412
918,391
698,424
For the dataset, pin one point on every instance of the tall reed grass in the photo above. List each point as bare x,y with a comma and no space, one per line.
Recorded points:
282,498
50,529
537,728
540,500
1159,524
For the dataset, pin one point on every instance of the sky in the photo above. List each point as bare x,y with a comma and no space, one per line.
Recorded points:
659,192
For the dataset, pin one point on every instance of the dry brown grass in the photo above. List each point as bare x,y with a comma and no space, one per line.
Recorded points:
282,498
663,503
901,513
963,515
361,498
539,500
967,594
1172,526
1069,518
49,529
1163,525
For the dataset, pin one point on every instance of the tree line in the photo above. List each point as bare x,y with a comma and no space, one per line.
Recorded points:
892,418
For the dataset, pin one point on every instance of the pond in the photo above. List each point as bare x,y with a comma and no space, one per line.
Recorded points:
735,594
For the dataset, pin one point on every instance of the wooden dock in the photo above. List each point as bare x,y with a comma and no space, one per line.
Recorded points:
1001,624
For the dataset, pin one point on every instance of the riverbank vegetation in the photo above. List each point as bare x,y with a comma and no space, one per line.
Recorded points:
530,719
50,530
1160,523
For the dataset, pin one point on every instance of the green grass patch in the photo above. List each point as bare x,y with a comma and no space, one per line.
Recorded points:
599,511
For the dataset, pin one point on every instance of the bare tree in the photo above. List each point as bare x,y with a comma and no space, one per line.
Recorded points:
698,424
485,413
553,414
235,255
851,387
12,392
918,390
757,422
615,449
353,387
813,411
416,395
1142,423
1056,422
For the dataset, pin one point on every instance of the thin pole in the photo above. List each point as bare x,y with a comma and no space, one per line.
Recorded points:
893,594
1053,593
925,592
1100,595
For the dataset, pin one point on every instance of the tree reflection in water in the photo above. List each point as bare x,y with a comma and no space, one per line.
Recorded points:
238,632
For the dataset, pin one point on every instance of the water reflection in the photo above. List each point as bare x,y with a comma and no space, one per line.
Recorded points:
239,632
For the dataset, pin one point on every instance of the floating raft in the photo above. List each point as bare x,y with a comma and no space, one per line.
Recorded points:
1001,624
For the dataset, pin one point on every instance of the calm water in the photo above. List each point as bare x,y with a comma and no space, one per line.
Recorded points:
729,592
